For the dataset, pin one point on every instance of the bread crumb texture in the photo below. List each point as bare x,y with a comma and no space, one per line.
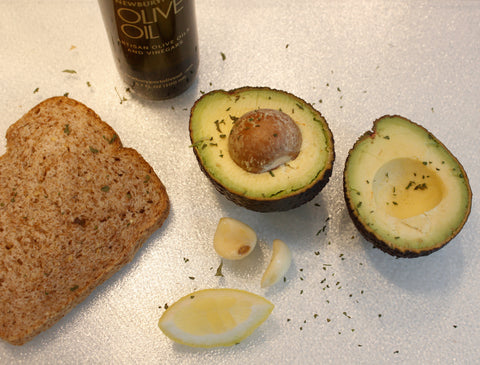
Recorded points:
75,206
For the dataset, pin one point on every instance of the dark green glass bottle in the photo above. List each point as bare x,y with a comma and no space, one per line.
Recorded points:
154,43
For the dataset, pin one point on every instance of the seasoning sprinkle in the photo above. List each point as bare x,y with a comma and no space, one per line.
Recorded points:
219,269
122,98
111,140
420,187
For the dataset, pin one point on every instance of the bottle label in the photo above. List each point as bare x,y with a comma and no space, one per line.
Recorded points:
139,22
154,44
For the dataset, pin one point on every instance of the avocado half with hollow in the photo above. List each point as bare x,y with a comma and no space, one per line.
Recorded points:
405,191
264,149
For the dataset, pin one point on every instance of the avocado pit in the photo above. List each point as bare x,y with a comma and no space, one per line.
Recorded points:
263,174
264,139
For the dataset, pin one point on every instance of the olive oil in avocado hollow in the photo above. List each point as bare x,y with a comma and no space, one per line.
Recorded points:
154,44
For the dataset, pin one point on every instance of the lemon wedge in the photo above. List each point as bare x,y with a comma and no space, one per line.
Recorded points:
214,317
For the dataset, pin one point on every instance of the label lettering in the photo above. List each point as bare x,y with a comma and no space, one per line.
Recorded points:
137,24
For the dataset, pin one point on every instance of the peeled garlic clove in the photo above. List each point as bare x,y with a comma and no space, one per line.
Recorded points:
233,239
279,264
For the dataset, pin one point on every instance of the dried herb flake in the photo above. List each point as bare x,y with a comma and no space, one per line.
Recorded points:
219,269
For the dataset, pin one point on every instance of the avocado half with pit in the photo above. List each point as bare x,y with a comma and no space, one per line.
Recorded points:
405,191
264,149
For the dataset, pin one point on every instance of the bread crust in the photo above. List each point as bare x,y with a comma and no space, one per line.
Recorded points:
75,207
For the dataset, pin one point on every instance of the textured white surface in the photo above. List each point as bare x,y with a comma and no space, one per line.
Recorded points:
343,301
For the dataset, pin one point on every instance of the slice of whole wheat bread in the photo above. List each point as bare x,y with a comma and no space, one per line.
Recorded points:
75,206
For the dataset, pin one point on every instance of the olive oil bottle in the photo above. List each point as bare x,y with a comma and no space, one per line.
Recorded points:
154,44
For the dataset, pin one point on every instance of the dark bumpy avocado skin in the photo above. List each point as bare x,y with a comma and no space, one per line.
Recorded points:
266,206
292,201
371,236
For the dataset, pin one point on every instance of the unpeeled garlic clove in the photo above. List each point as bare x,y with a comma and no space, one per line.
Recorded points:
279,264
234,239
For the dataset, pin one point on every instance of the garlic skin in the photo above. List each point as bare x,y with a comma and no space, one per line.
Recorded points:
279,264
233,239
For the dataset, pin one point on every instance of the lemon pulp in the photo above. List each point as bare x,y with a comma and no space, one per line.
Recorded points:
214,317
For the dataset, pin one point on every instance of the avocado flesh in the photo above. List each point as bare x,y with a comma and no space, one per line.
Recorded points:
404,190
285,187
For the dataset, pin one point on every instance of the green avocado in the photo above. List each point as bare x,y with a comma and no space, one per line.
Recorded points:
404,190
280,188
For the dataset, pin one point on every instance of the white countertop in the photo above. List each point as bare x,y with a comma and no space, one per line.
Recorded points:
344,302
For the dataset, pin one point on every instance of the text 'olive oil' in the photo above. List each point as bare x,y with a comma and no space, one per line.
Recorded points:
154,44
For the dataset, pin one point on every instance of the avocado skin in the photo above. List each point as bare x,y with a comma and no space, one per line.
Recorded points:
271,205
378,243
297,198
370,235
